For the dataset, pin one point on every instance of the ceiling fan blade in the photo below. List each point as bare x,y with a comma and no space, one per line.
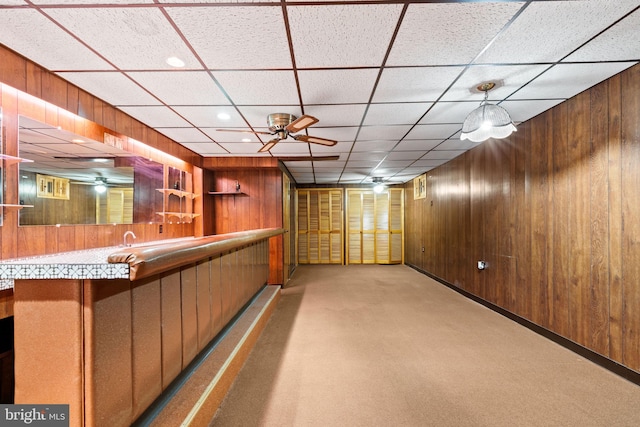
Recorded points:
315,140
268,146
300,123
244,131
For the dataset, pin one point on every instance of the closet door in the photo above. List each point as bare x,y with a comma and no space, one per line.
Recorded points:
320,229
362,229
375,226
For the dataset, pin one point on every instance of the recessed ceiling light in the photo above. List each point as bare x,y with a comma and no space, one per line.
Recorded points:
246,139
223,116
174,61
77,141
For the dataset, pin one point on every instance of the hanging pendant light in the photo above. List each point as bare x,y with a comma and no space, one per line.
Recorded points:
487,121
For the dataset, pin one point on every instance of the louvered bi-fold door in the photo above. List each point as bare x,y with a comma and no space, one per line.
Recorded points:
320,230
375,226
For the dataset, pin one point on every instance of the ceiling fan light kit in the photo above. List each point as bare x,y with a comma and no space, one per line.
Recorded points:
487,121
282,125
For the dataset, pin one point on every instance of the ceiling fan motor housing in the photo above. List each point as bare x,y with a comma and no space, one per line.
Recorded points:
279,121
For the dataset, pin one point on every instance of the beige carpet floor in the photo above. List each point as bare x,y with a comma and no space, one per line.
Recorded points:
387,346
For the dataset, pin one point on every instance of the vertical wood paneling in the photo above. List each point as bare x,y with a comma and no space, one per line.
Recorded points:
630,127
560,212
579,226
540,258
260,207
554,209
615,221
599,220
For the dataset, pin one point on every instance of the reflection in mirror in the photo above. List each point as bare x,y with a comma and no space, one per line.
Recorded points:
75,180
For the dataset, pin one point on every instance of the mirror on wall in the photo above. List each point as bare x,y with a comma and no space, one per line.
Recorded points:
75,180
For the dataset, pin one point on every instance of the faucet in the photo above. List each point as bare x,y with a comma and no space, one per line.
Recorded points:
128,233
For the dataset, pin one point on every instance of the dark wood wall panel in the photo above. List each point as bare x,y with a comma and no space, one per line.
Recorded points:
258,205
553,210
630,129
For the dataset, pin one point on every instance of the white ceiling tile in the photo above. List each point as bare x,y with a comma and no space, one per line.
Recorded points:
259,87
395,164
433,131
622,42
442,154
448,33
156,116
428,163
337,115
257,115
337,164
414,84
449,112
367,164
374,146
236,37
377,133
181,88
566,80
405,155
205,148
184,134
150,40
375,156
235,137
395,114
345,134
508,78
342,35
543,32
242,147
417,145
207,116
114,88
32,35
337,86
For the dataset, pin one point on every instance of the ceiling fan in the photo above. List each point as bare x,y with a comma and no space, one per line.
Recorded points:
282,125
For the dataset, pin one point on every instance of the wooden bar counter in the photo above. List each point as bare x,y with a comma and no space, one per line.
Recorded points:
107,330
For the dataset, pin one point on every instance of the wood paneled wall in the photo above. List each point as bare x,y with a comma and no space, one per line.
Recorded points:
554,210
259,205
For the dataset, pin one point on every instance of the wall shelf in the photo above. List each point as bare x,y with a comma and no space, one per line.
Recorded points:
179,193
179,214
227,193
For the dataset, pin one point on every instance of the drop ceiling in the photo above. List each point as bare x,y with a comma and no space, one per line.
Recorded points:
391,81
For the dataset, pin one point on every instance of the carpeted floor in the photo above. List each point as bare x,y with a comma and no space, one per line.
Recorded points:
387,346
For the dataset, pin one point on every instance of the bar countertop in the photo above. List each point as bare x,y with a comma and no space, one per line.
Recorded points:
123,262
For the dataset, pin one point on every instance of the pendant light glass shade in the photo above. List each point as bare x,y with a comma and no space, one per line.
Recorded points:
487,121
